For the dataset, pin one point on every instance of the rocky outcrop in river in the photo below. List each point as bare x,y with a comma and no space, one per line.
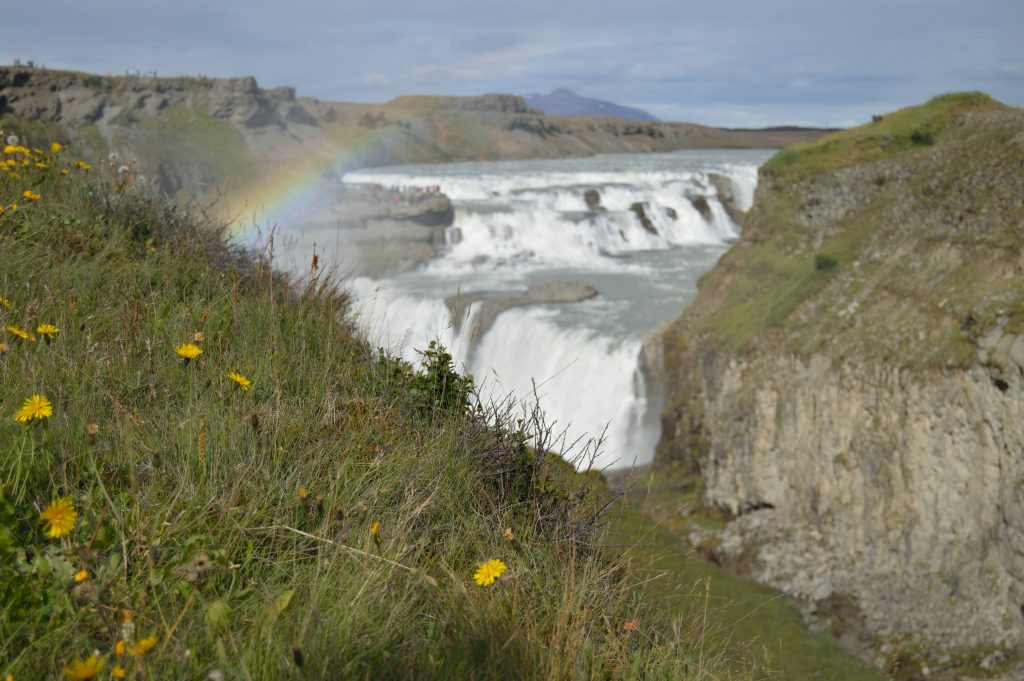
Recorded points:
849,383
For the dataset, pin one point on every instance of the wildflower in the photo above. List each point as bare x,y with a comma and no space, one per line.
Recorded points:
92,429
35,408
55,147
375,531
82,670
198,337
117,671
20,333
48,330
4,303
29,195
508,533
119,647
489,571
63,171
631,625
303,493
83,166
3,348
243,382
81,576
188,350
144,645
59,517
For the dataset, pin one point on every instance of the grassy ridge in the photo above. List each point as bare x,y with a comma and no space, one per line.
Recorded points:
324,522
864,237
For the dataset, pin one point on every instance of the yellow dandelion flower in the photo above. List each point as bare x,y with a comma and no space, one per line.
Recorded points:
39,165
14,206
243,382
35,408
4,303
83,166
63,171
375,531
3,348
20,333
144,645
48,330
188,350
488,572
81,576
59,517
117,671
82,670
119,647
55,147
303,493
37,151
29,195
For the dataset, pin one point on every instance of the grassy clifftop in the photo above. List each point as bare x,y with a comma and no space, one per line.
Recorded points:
286,503
898,240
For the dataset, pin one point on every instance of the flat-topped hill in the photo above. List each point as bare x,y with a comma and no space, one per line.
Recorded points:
229,136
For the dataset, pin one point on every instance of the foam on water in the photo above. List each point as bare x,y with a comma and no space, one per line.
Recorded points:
535,219
517,222
584,382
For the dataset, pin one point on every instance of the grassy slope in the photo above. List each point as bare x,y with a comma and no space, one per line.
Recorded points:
187,493
933,241
755,623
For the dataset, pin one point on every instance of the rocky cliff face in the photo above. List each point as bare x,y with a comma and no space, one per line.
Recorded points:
229,136
849,382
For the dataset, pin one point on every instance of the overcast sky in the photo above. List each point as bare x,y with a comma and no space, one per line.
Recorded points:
733,63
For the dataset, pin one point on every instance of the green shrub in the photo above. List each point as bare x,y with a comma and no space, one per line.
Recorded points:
824,263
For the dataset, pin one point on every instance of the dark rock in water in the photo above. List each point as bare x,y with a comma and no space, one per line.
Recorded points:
492,305
700,203
723,187
672,213
641,214
593,200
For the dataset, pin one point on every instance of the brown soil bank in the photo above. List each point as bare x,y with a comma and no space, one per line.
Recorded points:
849,382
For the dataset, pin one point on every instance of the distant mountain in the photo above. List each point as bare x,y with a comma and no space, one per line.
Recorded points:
562,102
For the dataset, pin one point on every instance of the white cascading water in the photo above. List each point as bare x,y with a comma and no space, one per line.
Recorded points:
518,223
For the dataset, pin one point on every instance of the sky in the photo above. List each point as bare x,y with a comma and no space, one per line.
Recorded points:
742,63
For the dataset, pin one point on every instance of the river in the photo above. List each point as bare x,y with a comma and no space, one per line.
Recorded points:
522,222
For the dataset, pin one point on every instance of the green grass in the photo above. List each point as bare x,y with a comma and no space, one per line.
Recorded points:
753,622
193,143
187,487
892,134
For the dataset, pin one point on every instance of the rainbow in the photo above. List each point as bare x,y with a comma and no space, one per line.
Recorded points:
278,199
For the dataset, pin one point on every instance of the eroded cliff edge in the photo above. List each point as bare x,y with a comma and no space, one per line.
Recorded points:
849,382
